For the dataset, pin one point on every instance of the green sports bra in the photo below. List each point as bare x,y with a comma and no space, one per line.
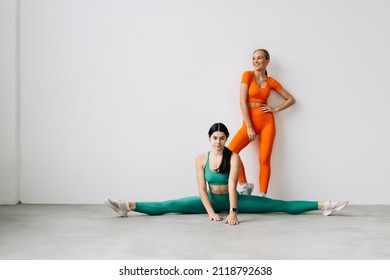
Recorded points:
214,178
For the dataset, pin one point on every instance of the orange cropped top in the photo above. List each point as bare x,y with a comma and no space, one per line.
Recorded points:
255,93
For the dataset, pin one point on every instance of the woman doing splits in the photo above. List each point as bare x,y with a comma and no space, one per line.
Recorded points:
217,173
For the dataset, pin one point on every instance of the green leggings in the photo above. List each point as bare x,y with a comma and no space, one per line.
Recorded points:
220,202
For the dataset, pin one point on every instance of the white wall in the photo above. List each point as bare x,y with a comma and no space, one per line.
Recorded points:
117,96
8,103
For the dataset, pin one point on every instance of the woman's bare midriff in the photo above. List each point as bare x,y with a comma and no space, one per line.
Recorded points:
219,189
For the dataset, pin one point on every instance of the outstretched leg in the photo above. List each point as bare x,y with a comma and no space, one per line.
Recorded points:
258,204
187,205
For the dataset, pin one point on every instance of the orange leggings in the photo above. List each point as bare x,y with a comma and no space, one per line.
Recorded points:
264,126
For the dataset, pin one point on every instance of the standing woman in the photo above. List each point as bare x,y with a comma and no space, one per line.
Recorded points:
258,117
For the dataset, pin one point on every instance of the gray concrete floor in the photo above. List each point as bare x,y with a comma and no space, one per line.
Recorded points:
95,232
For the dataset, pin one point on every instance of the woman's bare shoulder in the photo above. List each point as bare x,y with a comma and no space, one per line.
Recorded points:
201,158
235,157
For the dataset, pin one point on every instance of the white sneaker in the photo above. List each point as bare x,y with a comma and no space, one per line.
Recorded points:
332,206
262,194
246,188
120,206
